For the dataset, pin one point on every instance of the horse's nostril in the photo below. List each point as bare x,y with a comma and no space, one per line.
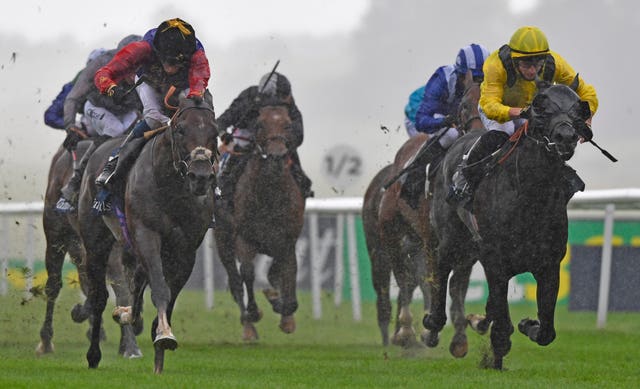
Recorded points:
191,175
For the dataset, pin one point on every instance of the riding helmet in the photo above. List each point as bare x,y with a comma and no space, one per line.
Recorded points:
274,84
471,58
528,41
175,41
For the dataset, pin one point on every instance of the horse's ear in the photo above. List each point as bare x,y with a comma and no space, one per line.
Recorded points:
575,83
583,110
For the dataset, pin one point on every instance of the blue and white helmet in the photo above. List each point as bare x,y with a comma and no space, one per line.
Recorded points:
471,58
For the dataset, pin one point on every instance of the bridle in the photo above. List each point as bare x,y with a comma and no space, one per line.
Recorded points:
182,164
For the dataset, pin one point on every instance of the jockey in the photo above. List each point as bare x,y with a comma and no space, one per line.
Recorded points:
169,55
436,115
410,110
54,115
102,118
237,125
509,86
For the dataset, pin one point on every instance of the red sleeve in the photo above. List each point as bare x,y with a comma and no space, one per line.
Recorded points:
125,62
199,73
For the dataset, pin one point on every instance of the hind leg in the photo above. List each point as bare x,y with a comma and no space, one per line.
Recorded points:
381,275
405,273
435,320
288,278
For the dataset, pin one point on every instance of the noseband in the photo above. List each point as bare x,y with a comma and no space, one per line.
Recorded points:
182,164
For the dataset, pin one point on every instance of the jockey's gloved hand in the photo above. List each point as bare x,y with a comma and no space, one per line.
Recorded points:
226,138
74,135
117,93
525,113
197,97
449,121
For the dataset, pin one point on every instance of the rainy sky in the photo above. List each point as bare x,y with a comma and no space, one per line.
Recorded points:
352,65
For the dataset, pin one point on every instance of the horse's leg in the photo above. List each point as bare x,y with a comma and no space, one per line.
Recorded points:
122,313
288,277
498,314
542,331
435,320
148,245
252,314
97,296
381,274
54,259
405,274
140,283
458,285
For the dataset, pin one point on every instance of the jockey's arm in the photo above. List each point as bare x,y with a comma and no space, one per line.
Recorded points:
123,64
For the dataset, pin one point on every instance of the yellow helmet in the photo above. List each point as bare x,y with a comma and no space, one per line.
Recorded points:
528,41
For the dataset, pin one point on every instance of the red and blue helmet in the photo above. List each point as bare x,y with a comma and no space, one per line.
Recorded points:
471,58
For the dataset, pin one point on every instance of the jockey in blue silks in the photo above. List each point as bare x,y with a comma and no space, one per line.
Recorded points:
436,115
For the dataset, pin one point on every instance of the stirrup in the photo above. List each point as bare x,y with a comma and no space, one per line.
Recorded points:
64,206
107,173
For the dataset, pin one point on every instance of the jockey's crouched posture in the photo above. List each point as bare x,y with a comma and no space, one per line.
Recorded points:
510,81
240,118
169,55
102,118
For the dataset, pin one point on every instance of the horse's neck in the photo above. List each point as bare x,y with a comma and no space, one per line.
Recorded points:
532,169
161,156
270,183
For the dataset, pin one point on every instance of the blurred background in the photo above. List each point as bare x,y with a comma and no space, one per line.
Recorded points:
352,65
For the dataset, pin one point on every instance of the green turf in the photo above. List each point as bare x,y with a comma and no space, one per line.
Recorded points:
334,352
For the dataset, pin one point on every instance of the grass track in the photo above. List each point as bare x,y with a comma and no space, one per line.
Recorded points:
333,352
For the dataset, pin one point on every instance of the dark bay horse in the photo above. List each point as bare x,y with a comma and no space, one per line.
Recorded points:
168,205
520,208
61,233
267,217
400,240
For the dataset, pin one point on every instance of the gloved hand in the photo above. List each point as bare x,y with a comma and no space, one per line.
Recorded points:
449,121
74,135
525,113
197,97
226,138
117,93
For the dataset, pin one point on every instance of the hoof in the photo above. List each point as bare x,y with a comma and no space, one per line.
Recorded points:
42,349
478,323
166,342
459,349
249,333
430,339
405,337
78,314
526,324
288,324
133,354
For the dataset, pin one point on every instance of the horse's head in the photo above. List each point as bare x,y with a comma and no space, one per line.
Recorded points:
273,132
468,117
193,133
558,116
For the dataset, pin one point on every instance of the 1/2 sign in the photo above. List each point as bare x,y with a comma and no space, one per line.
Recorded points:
342,166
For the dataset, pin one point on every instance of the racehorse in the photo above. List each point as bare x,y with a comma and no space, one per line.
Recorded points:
520,209
168,202
393,229
61,233
267,217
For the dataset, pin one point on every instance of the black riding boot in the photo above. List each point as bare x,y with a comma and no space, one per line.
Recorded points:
228,177
415,183
304,182
470,172
69,193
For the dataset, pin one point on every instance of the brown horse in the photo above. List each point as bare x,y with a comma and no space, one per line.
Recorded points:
61,233
267,218
168,206
399,240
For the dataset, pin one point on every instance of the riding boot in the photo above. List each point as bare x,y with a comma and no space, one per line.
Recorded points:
414,185
69,193
304,182
571,182
472,169
228,177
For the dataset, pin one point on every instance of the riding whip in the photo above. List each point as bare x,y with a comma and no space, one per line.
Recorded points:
411,166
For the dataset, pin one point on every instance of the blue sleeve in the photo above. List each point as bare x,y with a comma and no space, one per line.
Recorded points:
433,102
54,115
